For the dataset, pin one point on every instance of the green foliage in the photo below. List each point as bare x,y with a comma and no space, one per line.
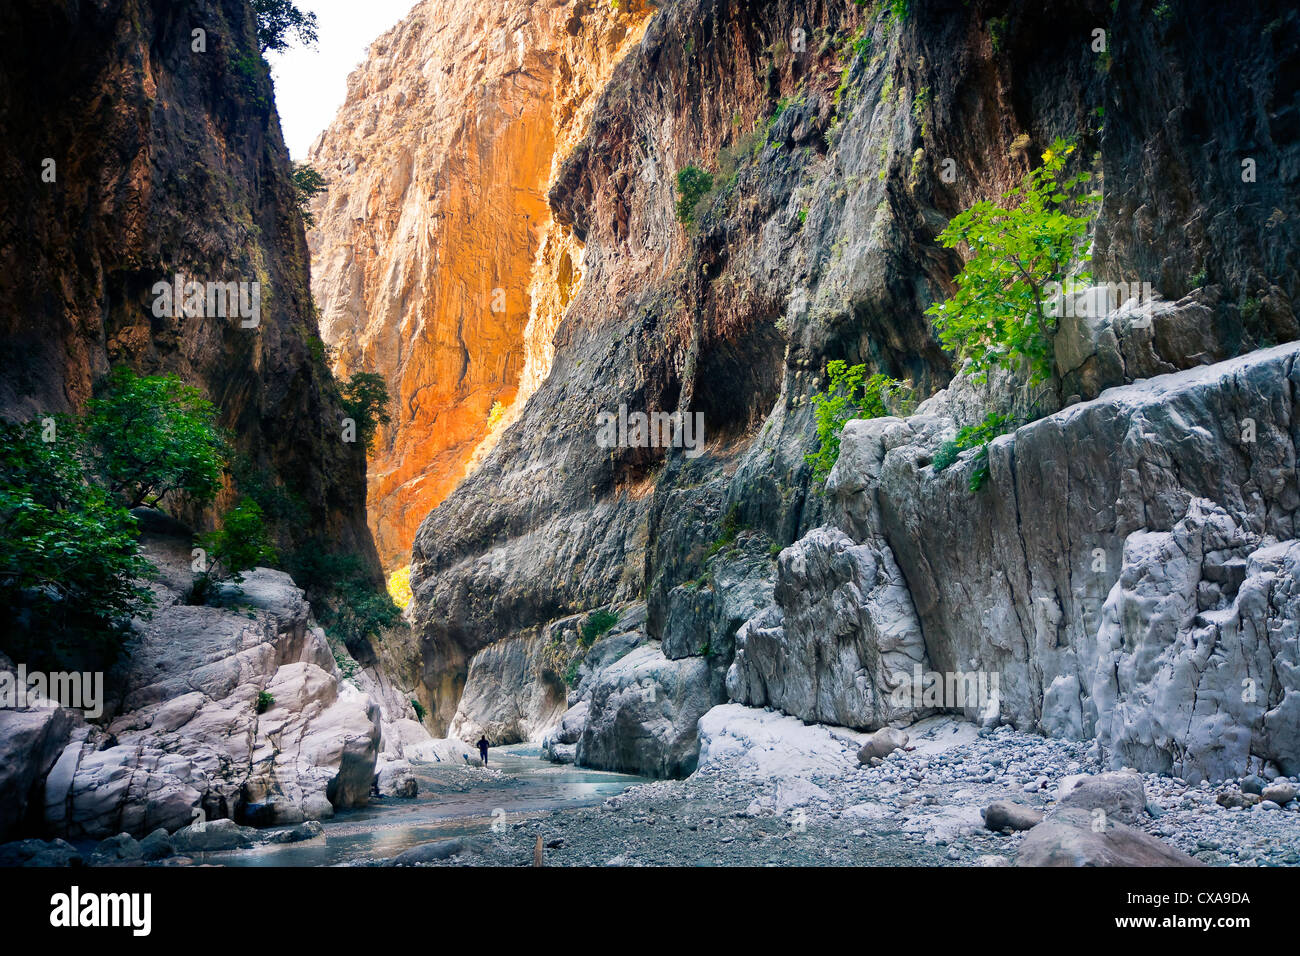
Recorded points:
350,605
251,68
692,183
265,702
571,671
731,527
420,712
151,436
850,394
973,436
596,624
999,315
277,19
307,185
240,544
366,402
69,556
279,504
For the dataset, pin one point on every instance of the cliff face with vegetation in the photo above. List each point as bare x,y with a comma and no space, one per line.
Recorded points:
435,259
841,139
134,149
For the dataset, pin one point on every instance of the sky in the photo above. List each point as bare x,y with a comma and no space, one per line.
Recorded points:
310,83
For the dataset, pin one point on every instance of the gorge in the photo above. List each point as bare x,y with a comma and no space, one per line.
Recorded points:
542,217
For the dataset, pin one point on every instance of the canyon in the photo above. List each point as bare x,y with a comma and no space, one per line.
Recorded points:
502,239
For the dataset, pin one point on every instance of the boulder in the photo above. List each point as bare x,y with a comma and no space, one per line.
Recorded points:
40,853
156,846
882,743
643,716
1120,794
842,642
307,830
30,743
1006,815
122,848
1073,837
1280,792
430,852
212,836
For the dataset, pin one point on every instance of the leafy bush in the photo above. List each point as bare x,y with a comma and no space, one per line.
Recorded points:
973,436
999,314
344,596
692,183
399,587
420,712
153,435
307,185
277,19
596,624
265,702
240,544
848,396
366,401
69,556
731,527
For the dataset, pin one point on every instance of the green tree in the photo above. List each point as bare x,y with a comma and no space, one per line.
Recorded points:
240,544
692,183
366,401
307,185
277,19
1000,314
151,436
850,394
70,561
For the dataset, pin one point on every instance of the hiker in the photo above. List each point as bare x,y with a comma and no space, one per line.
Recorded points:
482,748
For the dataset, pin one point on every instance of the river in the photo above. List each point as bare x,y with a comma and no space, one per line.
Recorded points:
453,801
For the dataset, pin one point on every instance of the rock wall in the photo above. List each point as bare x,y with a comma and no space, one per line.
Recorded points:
435,259
138,158
1128,572
232,711
841,140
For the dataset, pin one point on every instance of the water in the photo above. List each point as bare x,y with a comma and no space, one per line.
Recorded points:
454,801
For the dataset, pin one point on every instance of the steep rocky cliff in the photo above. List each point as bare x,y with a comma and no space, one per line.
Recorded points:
841,139
139,142
435,259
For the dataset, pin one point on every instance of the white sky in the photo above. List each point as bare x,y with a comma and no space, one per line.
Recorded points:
310,83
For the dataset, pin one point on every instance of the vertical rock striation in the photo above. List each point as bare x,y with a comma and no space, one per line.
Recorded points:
435,259
132,150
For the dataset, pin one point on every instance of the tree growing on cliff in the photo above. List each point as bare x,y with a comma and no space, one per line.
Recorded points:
240,544
366,401
1000,314
277,19
151,436
850,394
307,185
69,556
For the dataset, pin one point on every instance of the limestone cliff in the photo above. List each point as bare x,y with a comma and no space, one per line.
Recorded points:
139,142
435,258
841,139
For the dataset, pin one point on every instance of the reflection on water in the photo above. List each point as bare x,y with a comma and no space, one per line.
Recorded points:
453,801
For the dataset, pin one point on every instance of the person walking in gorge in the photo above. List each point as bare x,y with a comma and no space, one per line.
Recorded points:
483,748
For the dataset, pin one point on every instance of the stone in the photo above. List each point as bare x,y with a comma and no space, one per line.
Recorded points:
30,743
56,852
1006,815
307,830
882,743
1280,792
1252,783
430,852
122,848
213,836
1120,794
643,714
156,846
1069,838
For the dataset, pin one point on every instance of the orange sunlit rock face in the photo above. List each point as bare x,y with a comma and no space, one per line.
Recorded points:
425,255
